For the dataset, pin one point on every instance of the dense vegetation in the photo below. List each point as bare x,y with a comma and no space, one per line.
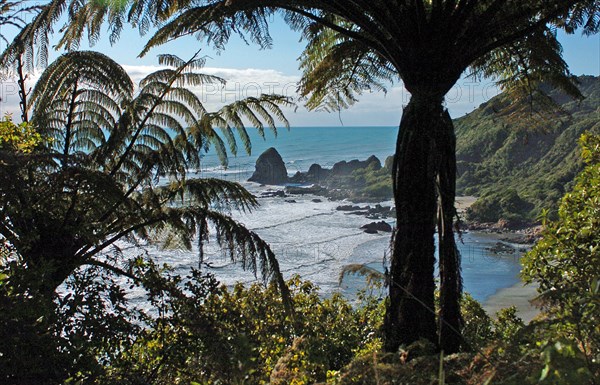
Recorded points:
374,183
95,164
371,183
99,165
517,167
428,45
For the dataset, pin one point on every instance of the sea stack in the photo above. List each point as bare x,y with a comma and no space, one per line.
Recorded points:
270,169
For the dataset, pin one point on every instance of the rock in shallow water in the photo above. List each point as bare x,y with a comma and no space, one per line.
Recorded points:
374,227
270,169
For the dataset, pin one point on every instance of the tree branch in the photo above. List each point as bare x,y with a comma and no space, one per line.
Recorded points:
114,269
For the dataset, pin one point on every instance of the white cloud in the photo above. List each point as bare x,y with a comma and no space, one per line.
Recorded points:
373,109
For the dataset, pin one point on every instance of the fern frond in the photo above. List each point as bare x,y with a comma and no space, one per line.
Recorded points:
371,275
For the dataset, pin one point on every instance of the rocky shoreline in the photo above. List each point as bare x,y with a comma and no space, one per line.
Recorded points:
356,180
507,237
351,181
524,235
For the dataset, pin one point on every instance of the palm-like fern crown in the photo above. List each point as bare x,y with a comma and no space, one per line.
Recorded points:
373,42
366,44
116,167
336,68
77,99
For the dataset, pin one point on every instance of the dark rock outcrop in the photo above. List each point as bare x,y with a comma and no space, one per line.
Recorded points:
348,208
356,180
501,248
318,174
346,168
270,169
375,227
272,194
381,212
370,230
315,174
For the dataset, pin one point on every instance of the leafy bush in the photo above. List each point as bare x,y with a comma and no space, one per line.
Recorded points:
381,189
566,263
70,336
478,328
214,335
18,137
506,204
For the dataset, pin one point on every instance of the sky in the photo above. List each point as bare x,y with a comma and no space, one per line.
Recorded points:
249,71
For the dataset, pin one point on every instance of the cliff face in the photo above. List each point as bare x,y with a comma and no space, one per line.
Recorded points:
517,167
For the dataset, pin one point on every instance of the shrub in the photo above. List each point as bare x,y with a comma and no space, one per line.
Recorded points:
240,335
566,264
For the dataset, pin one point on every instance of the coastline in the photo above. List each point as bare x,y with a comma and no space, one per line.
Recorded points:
518,295
325,210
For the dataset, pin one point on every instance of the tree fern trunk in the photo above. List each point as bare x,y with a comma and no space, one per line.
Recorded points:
450,275
410,313
425,154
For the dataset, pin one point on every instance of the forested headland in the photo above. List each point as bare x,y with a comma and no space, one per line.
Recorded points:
96,168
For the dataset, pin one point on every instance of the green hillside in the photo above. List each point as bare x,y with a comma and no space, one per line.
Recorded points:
517,167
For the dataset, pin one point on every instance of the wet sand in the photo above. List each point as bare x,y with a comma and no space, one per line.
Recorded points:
518,295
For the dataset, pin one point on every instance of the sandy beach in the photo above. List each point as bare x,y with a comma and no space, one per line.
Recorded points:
518,295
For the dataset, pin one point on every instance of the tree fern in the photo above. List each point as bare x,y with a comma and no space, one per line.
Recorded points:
77,98
429,44
116,167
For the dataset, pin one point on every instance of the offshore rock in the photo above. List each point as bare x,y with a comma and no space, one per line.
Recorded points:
319,175
270,169
374,227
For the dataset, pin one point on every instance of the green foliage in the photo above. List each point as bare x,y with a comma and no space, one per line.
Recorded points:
506,204
539,56
71,335
374,182
478,327
94,190
378,34
115,169
508,325
534,159
97,181
566,263
337,69
18,137
212,335
564,364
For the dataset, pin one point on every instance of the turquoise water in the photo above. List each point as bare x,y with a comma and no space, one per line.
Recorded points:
302,146
483,272
303,231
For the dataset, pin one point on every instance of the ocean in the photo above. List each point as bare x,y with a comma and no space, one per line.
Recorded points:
302,146
312,238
